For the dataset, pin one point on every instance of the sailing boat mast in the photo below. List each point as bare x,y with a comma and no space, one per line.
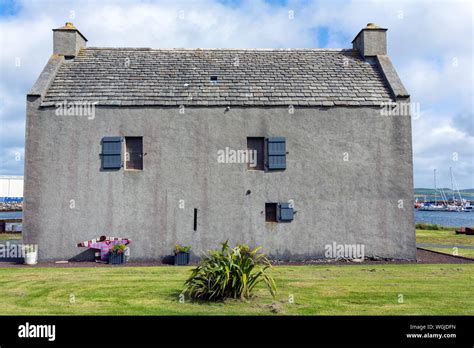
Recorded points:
452,186
457,188
434,172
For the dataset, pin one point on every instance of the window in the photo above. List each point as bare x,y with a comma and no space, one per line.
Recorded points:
276,153
271,212
278,212
271,153
213,79
111,152
257,145
134,153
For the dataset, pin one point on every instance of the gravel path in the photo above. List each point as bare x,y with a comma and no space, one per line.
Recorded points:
429,256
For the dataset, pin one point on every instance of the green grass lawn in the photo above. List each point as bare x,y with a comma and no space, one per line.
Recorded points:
448,237
316,290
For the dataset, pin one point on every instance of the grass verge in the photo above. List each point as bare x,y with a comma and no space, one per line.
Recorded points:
315,290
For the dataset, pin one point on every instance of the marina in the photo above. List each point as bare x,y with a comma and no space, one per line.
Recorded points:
443,201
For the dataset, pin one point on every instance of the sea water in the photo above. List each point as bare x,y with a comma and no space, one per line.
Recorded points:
444,218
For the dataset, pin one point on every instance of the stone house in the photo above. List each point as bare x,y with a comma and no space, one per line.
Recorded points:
144,144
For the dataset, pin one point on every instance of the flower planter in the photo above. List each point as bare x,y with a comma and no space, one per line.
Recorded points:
31,258
116,258
181,259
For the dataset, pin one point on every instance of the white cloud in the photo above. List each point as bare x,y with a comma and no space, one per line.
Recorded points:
438,144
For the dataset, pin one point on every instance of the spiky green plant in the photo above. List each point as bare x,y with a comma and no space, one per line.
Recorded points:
229,273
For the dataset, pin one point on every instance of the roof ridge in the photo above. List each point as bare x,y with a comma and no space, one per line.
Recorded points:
222,49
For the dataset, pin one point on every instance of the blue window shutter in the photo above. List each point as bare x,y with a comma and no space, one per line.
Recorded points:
111,152
276,151
285,212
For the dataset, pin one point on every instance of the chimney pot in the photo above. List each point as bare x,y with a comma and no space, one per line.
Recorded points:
372,26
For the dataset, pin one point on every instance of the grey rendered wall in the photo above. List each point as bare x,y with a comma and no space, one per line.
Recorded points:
354,201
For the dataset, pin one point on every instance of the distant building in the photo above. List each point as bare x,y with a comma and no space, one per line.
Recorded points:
11,188
148,144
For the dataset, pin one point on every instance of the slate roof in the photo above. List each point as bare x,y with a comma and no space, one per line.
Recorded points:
248,77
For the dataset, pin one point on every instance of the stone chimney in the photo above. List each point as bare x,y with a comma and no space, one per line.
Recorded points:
67,41
371,41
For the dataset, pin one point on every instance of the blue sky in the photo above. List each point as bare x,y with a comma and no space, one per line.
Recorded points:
429,42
